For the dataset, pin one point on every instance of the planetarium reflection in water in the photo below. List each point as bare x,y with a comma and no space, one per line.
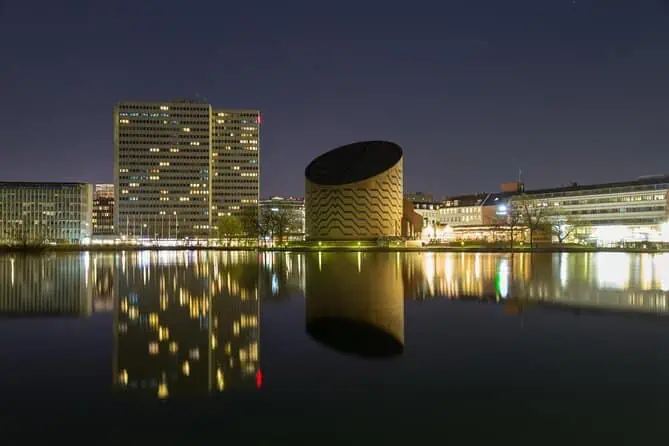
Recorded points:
355,303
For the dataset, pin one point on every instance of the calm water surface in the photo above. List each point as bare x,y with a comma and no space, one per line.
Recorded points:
187,345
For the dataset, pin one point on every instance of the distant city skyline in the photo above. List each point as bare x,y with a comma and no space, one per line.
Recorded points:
473,91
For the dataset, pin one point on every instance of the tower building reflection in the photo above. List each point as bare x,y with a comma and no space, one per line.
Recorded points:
45,285
102,281
186,323
355,303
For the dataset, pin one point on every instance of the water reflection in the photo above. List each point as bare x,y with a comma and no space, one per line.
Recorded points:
188,322
355,303
45,285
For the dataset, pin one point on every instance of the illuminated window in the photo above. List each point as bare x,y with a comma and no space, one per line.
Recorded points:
164,107
154,149
174,149
153,320
124,121
153,348
186,129
163,333
123,377
164,163
194,354
195,143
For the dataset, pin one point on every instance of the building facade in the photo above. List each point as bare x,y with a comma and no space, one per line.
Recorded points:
235,162
631,211
354,192
419,197
466,217
45,212
288,212
103,209
607,213
180,164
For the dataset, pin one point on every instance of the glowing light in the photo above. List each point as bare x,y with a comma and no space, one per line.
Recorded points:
502,279
259,379
612,270
563,269
429,269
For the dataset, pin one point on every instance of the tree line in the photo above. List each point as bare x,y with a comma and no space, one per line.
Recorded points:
527,214
249,226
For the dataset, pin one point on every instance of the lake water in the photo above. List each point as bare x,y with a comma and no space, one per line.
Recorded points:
174,346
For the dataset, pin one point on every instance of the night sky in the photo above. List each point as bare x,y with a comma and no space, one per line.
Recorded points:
472,90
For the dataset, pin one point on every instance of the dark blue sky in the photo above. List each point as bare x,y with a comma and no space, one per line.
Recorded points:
471,89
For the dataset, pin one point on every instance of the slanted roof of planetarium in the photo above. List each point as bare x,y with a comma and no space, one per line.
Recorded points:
353,162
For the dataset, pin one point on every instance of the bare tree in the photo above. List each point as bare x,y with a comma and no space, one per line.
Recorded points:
563,227
229,227
279,223
250,223
509,223
534,214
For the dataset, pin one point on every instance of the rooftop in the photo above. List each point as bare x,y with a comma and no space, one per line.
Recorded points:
42,184
353,162
642,181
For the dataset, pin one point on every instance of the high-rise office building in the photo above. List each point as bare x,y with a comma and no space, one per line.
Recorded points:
180,164
103,209
235,161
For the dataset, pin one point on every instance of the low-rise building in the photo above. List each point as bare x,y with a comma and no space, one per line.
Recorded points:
35,213
103,209
606,213
419,197
285,216
630,211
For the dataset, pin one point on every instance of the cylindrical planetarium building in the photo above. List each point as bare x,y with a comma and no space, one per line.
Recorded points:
354,192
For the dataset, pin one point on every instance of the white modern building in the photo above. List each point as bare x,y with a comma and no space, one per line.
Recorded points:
632,211
39,213
607,213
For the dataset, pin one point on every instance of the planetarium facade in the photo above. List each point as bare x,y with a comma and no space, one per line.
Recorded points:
354,192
